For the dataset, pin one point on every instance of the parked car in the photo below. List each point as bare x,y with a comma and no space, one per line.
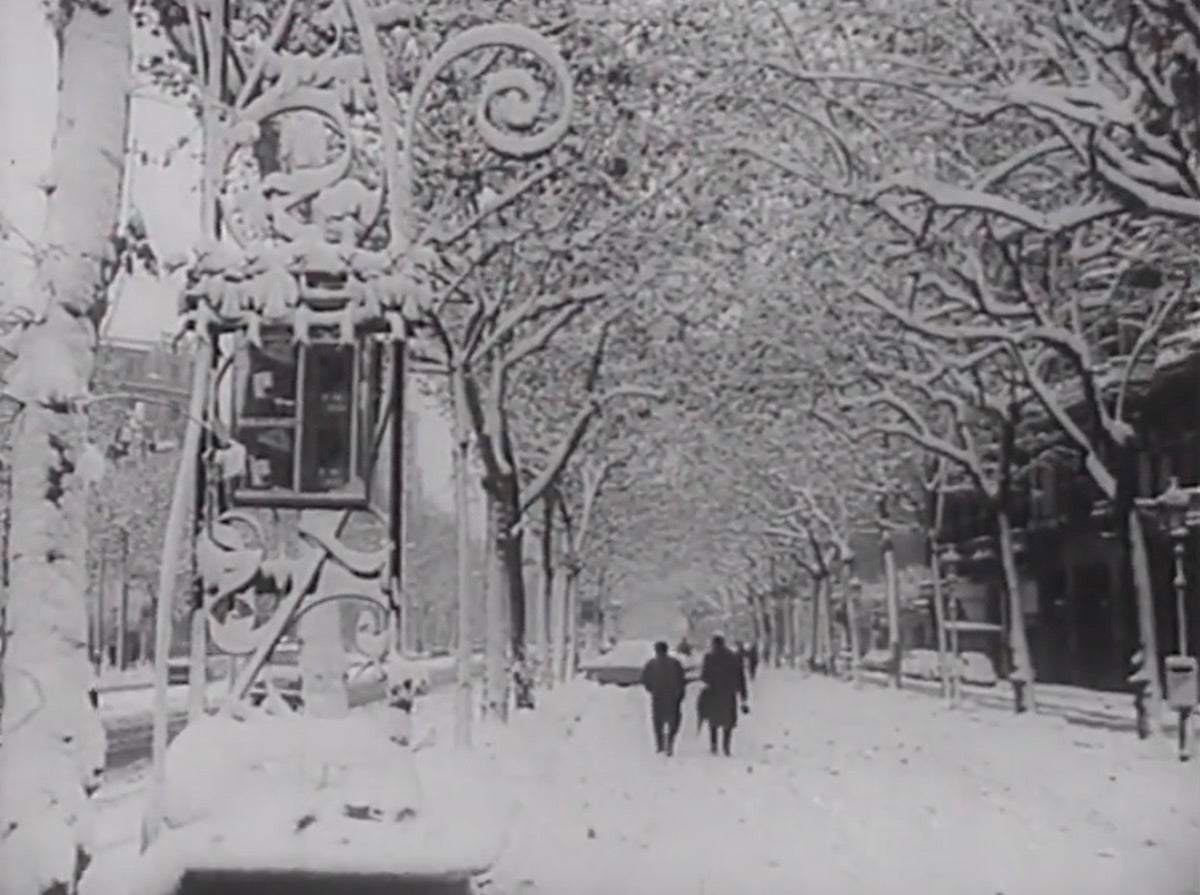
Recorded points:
622,663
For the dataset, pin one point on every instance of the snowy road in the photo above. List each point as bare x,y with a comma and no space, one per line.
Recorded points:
835,790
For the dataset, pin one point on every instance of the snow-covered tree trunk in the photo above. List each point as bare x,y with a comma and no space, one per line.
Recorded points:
794,609
495,683
893,611
558,622
462,455
1022,674
1144,595
52,748
848,596
814,644
827,629
571,591
939,617
509,545
546,596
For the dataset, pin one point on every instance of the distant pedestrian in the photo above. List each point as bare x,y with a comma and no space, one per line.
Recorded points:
664,680
724,683
752,660
684,648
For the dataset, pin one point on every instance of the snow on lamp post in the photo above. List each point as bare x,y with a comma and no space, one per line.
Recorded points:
313,275
1177,510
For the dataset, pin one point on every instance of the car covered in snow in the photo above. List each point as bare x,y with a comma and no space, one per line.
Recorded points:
622,664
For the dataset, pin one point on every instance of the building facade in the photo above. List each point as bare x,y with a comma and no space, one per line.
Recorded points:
1077,590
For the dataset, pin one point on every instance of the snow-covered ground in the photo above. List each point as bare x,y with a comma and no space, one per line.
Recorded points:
830,790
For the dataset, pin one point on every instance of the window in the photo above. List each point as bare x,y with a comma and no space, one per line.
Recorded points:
306,415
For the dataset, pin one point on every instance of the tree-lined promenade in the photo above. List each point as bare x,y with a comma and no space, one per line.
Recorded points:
784,286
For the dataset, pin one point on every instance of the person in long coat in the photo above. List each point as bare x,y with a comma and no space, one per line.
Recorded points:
724,679
665,681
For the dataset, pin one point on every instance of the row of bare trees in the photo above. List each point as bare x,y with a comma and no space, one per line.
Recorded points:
973,250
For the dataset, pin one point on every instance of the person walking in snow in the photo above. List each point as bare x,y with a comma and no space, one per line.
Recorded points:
665,681
752,660
724,681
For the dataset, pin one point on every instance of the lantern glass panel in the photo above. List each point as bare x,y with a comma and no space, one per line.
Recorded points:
269,386
305,414
327,440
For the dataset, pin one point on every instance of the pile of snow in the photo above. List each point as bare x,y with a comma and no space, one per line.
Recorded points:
974,667
300,793
977,668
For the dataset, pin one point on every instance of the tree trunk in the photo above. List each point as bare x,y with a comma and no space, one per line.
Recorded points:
100,620
123,607
542,615
755,623
52,752
895,648
571,587
496,685
785,612
1022,673
814,646
545,598
851,623
1147,628
510,546
827,629
768,629
462,447
939,620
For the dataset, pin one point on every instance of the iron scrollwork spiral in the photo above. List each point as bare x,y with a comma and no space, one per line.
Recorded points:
511,98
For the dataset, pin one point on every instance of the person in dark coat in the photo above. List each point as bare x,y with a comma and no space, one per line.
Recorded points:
664,680
752,660
724,683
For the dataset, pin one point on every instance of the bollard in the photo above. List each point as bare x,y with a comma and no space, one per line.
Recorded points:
1182,695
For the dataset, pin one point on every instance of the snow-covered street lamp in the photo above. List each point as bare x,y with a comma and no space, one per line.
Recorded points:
315,271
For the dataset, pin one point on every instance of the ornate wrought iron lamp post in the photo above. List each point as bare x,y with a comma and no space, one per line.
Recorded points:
312,277
1178,510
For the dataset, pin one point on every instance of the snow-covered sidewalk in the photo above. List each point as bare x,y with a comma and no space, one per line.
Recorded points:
831,789
837,790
